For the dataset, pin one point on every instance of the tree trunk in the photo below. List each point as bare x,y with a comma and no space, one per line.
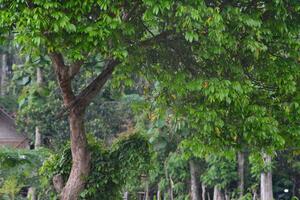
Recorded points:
254,193
266,190
80,156
203,191
208,196
58,183
170,193
125,196
241,173
194,181
39,76
3,74
147,190
218,194
158,195
31,195
296,189
76,105
38,136
226,195
170,189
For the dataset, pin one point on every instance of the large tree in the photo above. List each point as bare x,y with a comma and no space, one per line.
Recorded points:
70,33
227,49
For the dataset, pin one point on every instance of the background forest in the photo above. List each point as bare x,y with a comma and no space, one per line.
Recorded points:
151,100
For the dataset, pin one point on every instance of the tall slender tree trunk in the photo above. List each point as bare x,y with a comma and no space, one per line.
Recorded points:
195,193
266,189
203,191
218,194
158,194
126,196
226,195
147,197
3,74
169,178
32,195
38,135
38,138
171,188
241,173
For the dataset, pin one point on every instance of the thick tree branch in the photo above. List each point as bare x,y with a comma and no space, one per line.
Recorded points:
86,95
63,77
82,100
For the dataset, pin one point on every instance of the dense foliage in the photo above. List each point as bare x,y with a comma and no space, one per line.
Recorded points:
19,169
215,78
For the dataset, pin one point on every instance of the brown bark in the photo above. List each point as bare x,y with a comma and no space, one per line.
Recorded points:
80,154
266,189
85,97
195,195
241,173
76,105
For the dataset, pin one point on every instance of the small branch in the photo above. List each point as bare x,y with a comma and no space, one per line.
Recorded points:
157,38
148,30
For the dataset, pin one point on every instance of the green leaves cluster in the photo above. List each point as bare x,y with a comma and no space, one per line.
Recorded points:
19,168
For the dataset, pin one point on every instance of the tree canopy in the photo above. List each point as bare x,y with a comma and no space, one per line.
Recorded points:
216,75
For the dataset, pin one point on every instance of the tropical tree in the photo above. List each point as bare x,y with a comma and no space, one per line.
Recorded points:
109,29
220,51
